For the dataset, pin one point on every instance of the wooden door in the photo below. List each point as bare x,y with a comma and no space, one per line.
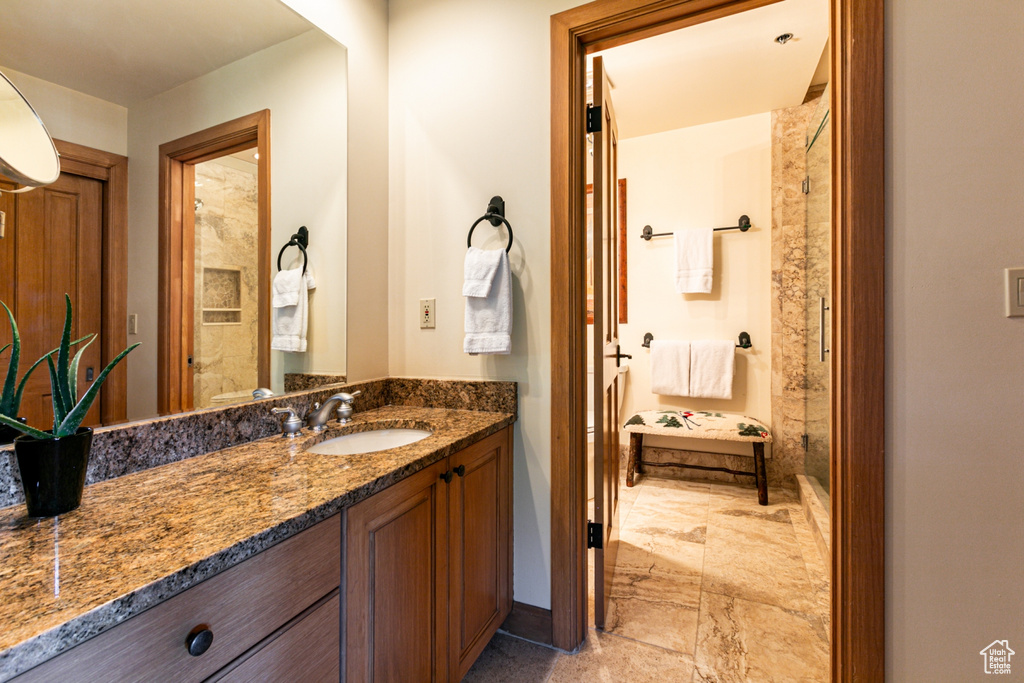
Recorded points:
479,527
53,244
395,582
606,342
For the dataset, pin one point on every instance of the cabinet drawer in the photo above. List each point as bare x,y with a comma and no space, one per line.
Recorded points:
241,606
307,651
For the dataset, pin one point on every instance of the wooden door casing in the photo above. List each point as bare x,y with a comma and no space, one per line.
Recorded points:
480,533
606,344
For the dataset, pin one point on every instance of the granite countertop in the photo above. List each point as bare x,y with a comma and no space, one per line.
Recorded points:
139,539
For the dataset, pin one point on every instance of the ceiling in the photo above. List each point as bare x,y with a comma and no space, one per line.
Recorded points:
718,70
164,44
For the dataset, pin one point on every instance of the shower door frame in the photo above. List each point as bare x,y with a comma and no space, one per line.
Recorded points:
858,261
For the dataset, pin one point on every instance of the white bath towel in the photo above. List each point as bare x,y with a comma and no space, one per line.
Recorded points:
286,287
481,266
290,322
712,363
670,367
488,323
695,259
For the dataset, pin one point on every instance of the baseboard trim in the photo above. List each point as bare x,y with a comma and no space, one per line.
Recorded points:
529,622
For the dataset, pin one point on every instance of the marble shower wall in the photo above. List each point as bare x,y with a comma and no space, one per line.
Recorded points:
789,292
226,269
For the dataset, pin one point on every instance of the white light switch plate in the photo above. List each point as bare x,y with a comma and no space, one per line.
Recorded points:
1014,292
133,323
427,313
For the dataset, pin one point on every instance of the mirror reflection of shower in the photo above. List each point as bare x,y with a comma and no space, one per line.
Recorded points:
226,280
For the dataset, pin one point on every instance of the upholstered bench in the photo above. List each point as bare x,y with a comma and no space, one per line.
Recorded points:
698,424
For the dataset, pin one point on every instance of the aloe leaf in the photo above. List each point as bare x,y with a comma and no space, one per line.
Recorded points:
24,379
73,372
59,409
4,348
69,425
25,429
7,398
63,356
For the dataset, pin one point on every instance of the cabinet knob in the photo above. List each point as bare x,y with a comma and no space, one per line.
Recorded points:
447,477
199,640
460,470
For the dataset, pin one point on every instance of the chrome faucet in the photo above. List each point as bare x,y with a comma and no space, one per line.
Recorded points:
320,414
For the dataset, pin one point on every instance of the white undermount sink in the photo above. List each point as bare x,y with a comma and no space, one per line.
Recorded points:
369,442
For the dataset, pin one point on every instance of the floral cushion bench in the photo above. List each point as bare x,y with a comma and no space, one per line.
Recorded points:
699,424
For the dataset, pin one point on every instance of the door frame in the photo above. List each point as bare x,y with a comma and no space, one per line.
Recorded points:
112,171
177,162
858,259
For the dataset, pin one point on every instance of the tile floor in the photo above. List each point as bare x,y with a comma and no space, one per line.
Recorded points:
709,587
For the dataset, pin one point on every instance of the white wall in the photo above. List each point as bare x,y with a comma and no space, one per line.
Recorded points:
700,177
303,82
362,26
470,119
955,365
73,116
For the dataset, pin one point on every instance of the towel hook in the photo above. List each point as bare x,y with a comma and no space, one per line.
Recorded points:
496,215
301,240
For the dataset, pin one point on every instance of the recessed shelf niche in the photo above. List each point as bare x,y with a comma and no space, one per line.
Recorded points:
222,296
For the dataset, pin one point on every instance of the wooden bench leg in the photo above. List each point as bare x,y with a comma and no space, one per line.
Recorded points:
633,463
759,474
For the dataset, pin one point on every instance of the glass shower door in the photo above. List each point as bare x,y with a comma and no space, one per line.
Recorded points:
819,291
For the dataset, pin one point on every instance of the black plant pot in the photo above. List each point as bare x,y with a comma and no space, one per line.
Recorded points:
53,471
9,434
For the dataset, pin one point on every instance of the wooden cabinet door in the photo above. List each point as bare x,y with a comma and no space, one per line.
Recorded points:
480,550
396,594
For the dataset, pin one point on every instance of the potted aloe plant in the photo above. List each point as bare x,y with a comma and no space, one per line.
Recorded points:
53,462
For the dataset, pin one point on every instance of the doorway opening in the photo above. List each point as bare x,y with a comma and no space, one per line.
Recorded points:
214,317
857,315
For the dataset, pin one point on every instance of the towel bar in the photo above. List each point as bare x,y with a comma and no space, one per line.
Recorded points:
742,224
744,341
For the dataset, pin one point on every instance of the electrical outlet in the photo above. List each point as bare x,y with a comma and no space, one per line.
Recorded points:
133,323
427,313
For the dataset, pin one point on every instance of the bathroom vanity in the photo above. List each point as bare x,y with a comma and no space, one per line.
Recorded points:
267,562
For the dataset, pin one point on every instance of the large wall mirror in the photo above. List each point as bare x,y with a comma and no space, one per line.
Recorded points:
115,81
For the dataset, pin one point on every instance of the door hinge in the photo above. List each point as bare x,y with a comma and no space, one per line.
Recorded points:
593,119
803,441
805,186
595,535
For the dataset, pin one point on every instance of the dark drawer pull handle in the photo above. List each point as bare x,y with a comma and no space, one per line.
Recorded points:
460,470
199,640
447,477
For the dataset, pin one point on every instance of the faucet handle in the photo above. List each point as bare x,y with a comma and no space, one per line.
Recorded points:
293,425
348,398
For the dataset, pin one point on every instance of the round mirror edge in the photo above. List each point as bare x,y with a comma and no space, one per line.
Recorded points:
16,174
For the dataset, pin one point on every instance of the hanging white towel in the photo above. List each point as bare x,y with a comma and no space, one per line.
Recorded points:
286,287
488,291
480,268
290,322
695,259
670,367
712,363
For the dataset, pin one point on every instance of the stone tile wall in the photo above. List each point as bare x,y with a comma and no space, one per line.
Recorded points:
789,292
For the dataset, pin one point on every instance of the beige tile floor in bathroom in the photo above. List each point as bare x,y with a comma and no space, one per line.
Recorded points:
709,586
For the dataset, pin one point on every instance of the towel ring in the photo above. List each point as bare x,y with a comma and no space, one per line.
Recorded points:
300,239
490,217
